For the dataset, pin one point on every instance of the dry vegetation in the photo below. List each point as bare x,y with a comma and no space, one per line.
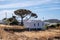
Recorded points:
29,35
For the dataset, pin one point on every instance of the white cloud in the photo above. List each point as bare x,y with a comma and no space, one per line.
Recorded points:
3,13
25,4
2,0
55,1
8,0
54,8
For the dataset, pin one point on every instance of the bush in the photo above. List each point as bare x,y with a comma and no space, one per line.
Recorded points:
52,26
11,21
58,25
14,23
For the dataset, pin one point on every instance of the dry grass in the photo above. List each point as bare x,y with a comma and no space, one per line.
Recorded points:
40,34
29,35
11,27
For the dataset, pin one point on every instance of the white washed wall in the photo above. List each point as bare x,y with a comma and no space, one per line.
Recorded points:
30,24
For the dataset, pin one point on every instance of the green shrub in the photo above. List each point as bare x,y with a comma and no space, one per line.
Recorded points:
52,26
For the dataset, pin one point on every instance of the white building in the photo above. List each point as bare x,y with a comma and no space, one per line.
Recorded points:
34,24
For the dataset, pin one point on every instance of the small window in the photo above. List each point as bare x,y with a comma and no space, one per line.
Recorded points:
38,24
34,24
42,23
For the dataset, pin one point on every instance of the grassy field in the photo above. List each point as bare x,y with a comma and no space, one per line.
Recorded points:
49,34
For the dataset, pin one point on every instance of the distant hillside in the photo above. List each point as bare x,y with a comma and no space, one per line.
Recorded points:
52,20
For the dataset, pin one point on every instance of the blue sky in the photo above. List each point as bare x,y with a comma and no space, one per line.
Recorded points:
49,9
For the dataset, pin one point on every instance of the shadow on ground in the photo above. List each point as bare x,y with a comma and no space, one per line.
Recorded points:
22,30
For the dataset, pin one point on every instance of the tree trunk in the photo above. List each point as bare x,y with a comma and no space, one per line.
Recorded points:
22,22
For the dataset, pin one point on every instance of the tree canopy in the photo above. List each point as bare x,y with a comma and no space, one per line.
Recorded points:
24,13
11,21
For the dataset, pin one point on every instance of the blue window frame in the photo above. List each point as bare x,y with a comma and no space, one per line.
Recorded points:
38,24
34,24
